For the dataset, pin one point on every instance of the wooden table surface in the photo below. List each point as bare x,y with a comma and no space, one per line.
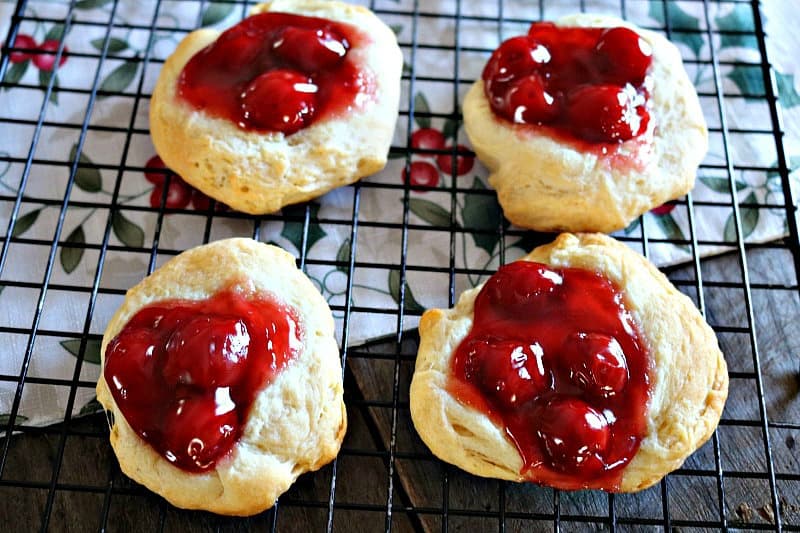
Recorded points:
427,492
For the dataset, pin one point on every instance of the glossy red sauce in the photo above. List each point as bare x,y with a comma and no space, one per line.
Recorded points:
278,72
184,374
584,85
556,359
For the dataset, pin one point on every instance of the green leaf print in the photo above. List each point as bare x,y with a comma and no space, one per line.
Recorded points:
87,179
450,129
91,4
115,44
44,81
410,303
685,28
749,218
794,164
15,73
119,78
739,19
71,257
421,106
216,12
430,212
633,226
55,33
25,222
788,94
293,231
671,229
721,185
343,257
748,80
90,355
129,233
482,212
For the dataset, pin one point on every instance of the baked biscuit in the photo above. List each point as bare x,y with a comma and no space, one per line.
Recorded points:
259,172
687,373
546,183
295,424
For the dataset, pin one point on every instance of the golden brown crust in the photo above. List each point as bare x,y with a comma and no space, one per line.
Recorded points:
548,185
296,424
260,173
689,379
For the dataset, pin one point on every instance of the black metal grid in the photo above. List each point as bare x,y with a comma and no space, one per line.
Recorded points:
346,496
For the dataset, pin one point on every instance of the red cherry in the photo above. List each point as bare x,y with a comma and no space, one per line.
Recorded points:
198,427
606,113
544,32
427,139
511,372
178,194
309,49
624,56
234,50
518,56
47,61
514,59
514,288
279,100
201,202
206,353
22,41
573,434
464,163
421,174
130,364
528,101
596,363
155,164
664,209
162,318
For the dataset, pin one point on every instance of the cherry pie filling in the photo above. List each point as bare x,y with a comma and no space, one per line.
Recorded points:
556,359
278,72
584,84
184,374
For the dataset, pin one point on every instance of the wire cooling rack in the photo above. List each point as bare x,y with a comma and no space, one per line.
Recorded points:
64,476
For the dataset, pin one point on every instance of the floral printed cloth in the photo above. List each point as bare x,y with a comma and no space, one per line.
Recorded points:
402,239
